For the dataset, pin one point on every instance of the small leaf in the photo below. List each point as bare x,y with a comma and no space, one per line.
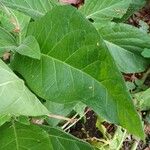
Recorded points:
146,53
144,26
143,100
29,47
130,86
118,139
15,98
4,119
79,108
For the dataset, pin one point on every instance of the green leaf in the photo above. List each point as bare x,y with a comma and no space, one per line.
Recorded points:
143,100
15,98
14,21
76,66
125,36
130,86
24,120
6,21
64,110
23,21
134,6
144,26
104,10
79,108
29,47
7,41
118,139
146,53
127,61
17,136
138,4
126,44
4,119
33,8
66,141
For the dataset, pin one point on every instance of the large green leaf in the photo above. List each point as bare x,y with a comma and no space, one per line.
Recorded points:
76,66
17,136
15,98
104,10
33,8
126,44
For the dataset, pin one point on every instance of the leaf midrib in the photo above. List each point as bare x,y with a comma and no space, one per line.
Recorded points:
73,68
97,81
15,135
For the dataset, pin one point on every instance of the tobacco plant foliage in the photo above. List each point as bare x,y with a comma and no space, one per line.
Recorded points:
58,59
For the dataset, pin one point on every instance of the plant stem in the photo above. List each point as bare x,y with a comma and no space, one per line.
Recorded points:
135,145
76,121
66,124
98,140
123,138
61,117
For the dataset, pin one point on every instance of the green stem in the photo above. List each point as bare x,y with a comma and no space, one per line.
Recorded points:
76,121
122,140
135,145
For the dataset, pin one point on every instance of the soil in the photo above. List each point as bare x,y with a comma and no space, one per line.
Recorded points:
87,129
